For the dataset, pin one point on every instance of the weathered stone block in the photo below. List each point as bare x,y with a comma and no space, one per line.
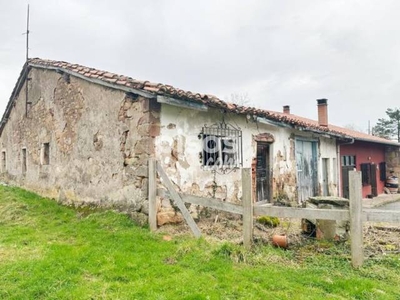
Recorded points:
144,145
145,207
147,118
168,217
139,218
152,130
142,171
145,186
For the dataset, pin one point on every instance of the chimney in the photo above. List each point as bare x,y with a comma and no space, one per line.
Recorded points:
323,112
286,109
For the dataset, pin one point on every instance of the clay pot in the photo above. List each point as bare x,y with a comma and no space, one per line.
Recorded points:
280,241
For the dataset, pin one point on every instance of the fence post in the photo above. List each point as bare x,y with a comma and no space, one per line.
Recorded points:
356,224
247,208
152,194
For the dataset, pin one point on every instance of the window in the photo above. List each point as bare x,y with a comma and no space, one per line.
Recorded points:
222,147
382,171
23,160
3,161
366,174
46,154
348,160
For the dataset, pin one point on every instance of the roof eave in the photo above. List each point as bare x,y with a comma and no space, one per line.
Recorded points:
388,143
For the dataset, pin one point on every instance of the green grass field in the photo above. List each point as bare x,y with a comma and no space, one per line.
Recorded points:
48,251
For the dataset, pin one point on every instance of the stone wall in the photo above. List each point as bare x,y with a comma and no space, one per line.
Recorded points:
392,157
99,141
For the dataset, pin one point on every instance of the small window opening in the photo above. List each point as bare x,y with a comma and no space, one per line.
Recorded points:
3,161
24,161
46,153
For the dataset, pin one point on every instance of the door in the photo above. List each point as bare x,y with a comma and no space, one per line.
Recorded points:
307,169
374,183
262,172
325,177
345,181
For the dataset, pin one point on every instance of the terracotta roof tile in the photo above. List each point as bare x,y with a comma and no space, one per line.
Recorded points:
108,75
112,80
209,100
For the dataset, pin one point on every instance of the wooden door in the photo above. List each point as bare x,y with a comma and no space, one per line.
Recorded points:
263,189
307,169
374,183
345,181
325,177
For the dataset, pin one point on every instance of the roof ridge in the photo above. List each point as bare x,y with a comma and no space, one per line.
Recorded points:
119,81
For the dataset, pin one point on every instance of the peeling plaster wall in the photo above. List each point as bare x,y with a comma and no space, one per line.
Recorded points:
99,142
178,148
328,150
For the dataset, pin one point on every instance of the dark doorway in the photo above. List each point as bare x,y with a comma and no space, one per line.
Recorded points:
263,189
374,184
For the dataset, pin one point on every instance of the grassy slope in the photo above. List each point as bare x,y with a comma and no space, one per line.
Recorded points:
48,251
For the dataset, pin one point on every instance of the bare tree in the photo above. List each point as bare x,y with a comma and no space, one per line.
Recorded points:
354,127
239,99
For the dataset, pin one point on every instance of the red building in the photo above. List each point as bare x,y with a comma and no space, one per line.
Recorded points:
364,152
367,157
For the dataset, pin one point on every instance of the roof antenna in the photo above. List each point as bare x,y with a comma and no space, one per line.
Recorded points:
27,35
27,103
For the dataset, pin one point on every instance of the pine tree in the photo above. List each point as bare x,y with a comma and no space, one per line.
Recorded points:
388,128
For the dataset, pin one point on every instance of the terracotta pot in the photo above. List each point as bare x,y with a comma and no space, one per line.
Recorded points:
280,241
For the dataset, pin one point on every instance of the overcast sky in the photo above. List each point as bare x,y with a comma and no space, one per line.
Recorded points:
276,52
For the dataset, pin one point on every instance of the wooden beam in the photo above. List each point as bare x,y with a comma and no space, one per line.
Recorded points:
376,215
302,213
213,203
178,201
206,202
247,208
356,224
182,103
152,194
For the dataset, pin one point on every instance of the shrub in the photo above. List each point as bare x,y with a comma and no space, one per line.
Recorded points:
268,221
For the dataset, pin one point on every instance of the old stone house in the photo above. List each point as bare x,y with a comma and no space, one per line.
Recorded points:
82,135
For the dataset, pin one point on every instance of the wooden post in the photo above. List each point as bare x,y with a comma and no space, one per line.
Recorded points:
152,194
247,208
356,222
